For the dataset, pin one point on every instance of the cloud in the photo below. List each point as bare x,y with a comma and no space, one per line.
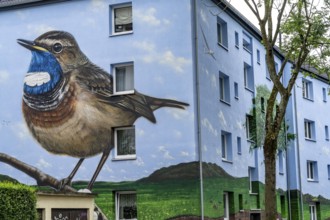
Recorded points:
165,152
107,168
140,132
4,76
98,6
42,163
20,130
176,63
148,17
39,29
178,114
184,154
177,133
326,151
222,118
206,123
166,58
139,162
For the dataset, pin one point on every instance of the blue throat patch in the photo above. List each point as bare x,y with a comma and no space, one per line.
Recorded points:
44,62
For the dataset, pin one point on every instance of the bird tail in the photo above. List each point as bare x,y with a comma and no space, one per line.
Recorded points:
157,103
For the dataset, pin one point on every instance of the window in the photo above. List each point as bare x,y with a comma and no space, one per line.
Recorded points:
249,124
262,104
258,56
226,205
226,146
312,212
121,17
267,70
307,89
280,162
324,91
125,143
236,40
239,145
247,42
240,202
276,67
126,208
326,130
248,77
123,75
224,87
309,129
222,32
312,174
328,171
252,177
283,206
236,90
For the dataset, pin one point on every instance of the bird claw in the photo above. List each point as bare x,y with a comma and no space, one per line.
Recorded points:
64,182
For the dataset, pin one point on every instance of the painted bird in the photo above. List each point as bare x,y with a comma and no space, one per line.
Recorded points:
68,102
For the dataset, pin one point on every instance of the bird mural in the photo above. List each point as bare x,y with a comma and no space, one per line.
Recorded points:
68,102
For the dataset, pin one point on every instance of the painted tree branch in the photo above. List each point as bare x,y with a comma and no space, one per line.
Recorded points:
42,178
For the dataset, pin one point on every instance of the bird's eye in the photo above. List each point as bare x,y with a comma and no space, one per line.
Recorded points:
57,48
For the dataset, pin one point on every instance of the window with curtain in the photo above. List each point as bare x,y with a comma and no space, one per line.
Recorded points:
125,143
122,19
123,79
126,208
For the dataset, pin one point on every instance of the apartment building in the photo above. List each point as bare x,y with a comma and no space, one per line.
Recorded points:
201,162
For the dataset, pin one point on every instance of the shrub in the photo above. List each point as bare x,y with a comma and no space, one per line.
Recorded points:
17,202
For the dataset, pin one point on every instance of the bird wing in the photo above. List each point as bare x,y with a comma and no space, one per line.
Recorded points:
100,83
135,103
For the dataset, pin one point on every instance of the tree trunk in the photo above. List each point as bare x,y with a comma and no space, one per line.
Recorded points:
270,178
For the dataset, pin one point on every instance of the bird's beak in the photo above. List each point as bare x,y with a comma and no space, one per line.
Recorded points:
31,45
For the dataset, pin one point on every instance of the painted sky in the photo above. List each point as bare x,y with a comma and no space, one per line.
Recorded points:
160,63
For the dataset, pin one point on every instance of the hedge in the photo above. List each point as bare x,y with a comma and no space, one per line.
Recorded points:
17,202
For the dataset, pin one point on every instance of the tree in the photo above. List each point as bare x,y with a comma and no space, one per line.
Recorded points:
303,27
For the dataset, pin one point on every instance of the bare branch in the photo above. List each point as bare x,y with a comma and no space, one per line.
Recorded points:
279,19
42,178
254,9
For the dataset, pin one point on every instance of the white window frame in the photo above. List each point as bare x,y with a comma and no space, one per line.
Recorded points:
236,39
307,89
326,131
280,162
222,33
226,146
127,156
312,212
113,24
309,128
224,88
258,56
248,77
248,127
312,171
226,205
117,203
247,42
324,92
239,145
236,90
127,66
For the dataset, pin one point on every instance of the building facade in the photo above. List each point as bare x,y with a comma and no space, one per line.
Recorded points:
201,162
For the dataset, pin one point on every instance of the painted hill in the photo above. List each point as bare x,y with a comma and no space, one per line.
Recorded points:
7,178
186,171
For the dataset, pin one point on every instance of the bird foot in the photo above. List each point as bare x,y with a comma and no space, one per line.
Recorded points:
65,182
